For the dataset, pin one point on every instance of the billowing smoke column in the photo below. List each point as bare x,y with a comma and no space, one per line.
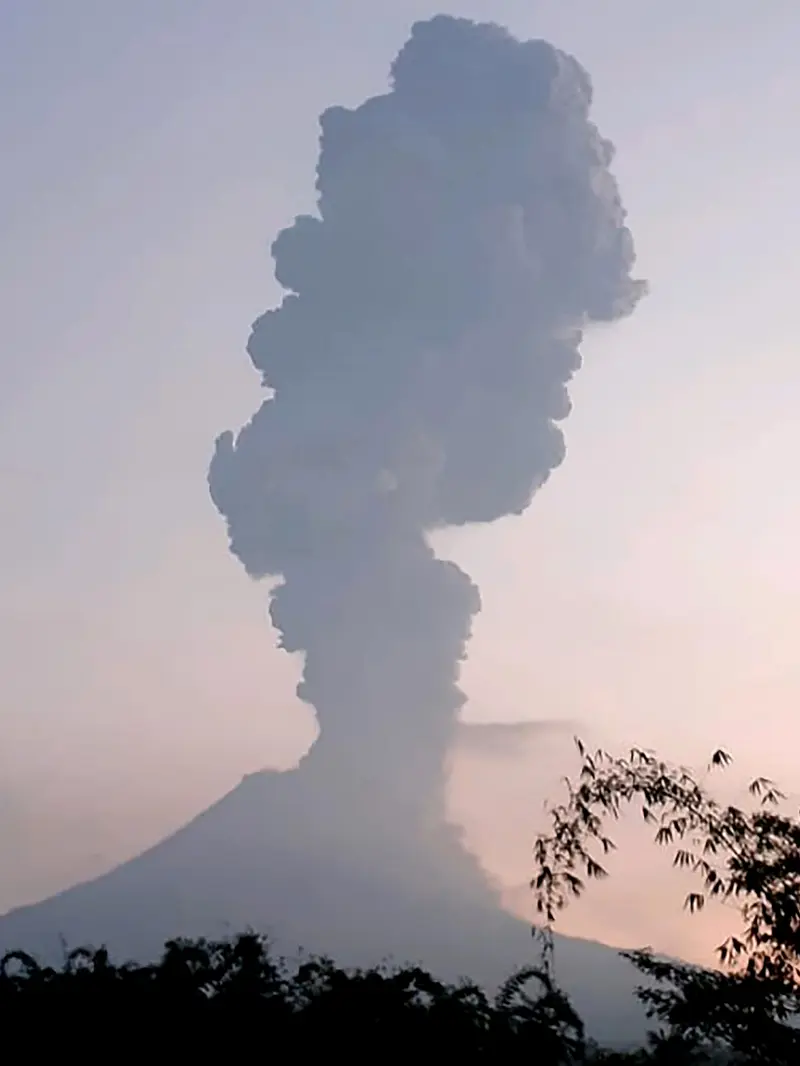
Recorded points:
468,231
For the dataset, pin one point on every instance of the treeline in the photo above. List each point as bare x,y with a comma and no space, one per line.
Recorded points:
212,997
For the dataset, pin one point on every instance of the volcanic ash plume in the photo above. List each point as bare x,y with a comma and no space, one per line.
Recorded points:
468,230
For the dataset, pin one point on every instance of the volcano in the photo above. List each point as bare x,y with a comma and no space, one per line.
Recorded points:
286,853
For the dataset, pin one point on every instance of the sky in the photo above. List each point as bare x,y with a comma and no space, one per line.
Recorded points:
651,595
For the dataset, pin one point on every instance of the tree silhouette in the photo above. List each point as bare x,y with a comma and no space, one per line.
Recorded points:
750,857
204,991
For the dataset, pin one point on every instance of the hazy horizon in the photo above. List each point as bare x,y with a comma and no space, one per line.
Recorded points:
648,596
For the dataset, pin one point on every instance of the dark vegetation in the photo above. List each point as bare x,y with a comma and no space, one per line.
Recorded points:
219,996
748,1009
236,990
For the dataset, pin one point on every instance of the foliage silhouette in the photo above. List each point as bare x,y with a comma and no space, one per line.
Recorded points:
205,997
749,1007
202,989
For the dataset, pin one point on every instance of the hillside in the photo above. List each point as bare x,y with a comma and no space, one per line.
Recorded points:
270,856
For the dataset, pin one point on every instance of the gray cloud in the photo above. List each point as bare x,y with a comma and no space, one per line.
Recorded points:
468,231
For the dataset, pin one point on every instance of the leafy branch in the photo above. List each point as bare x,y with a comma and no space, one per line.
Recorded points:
750,857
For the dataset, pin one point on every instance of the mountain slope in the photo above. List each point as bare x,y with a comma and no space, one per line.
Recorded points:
271,856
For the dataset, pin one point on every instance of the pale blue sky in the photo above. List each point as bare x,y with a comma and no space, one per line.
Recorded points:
151,149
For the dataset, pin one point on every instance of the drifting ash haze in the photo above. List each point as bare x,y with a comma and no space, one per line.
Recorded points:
468,230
